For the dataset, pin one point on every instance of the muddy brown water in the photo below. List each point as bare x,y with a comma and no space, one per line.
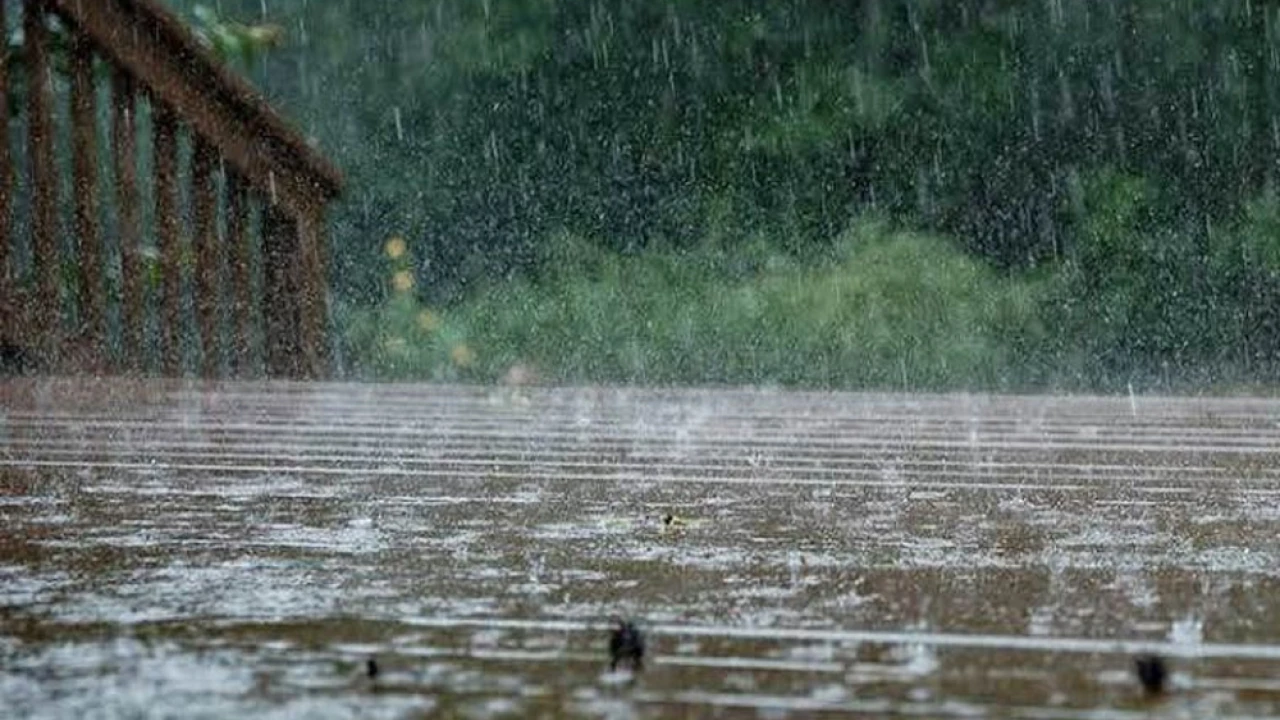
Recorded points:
221,550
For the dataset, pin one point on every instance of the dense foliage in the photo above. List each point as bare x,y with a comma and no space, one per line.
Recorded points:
1106,167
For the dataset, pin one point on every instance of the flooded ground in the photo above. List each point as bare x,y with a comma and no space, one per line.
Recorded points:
171,550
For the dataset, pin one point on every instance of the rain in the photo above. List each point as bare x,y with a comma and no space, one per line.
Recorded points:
638,359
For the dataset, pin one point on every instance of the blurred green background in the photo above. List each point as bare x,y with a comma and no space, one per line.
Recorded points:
906,194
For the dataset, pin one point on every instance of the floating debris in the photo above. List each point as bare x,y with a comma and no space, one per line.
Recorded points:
673,523
626,646
1152,673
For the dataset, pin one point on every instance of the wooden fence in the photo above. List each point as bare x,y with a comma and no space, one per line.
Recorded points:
221,271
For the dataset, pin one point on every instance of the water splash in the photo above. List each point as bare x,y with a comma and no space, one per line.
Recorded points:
1187,632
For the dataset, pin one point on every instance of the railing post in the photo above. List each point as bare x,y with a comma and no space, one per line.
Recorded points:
208,254
279,292
313,294
243,310
165,148
92,305
46,258
124,160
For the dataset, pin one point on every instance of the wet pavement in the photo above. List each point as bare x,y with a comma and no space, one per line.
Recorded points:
212,550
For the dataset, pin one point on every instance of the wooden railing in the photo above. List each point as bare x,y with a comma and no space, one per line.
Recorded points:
226,278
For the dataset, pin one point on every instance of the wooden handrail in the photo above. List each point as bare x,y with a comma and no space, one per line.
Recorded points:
149,41
267,168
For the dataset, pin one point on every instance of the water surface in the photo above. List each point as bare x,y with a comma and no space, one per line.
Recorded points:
212,550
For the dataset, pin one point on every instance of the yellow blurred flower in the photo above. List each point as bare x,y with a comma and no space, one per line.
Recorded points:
396,247
402,281
462,355
265,35
428,321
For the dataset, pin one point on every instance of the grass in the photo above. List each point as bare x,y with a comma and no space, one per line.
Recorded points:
885,309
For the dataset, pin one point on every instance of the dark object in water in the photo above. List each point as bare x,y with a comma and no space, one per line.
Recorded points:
626,645
668,519
371,668
1152,673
